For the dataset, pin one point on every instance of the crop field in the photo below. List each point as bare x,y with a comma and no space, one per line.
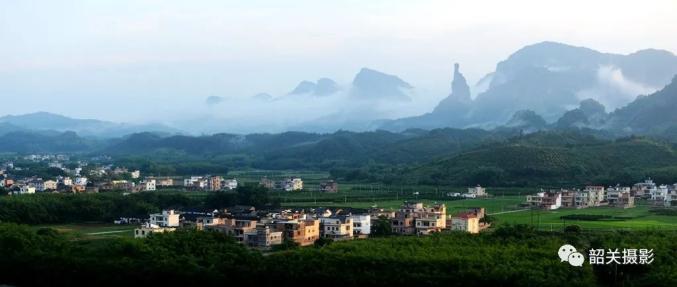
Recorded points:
639,217
503,206
92,230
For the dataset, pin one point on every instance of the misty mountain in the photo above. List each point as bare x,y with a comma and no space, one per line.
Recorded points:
6,128
264,97
550,78
589,114
44,121
370,84
45,142
652,114
446,114
527,121
323,87
309,150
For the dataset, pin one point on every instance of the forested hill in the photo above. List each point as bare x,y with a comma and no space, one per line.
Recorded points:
307,150
556,159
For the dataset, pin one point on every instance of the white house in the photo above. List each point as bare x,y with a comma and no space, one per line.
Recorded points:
361,224
148,185
670,198
135,174
195,181
67,181
478,191
230,184
81,180
660,193
147,229
547,200
26,189
336,227
290,184
50,185
168,218
38,184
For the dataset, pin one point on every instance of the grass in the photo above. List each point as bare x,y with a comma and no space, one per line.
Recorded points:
633,218
492,205
92,230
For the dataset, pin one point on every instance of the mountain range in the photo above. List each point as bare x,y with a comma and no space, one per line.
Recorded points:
550,79
44,121
545,86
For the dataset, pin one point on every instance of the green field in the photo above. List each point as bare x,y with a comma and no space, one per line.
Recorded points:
504,208
92,230
631,218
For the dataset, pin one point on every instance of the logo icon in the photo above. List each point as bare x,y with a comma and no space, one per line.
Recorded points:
568,253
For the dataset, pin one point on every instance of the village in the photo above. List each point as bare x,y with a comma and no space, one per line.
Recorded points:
615,196
84,177
265,229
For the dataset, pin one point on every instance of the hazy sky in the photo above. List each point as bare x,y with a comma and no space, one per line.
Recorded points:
133,60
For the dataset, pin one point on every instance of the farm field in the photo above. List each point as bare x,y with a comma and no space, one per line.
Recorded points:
632,218
92,230
492,205
504,209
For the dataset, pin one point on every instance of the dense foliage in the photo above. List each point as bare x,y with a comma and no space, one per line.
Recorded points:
555,159
106,207
513,255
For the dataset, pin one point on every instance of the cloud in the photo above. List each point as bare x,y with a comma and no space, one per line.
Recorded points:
613,89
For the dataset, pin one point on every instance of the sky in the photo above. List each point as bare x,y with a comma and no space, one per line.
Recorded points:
154,60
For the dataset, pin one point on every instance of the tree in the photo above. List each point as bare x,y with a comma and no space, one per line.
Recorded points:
487,219
572,229
322,241
382,227
287,244
252,194
221,199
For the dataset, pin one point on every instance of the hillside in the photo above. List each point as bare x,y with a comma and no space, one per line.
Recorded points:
652,114
555,159
294,150
44,121
45,142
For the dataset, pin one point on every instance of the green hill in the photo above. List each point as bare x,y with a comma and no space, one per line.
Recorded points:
556,159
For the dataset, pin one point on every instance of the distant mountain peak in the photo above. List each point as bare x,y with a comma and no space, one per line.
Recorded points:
592,107
304,87
457,102
372,84
262,97
459,86
526,119
46,121
323,87
589,114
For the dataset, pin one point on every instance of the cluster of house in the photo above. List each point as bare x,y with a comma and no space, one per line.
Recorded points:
286,184
81,184
473,192
151,183
418,219
263,229
35,184
296,184
618,196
